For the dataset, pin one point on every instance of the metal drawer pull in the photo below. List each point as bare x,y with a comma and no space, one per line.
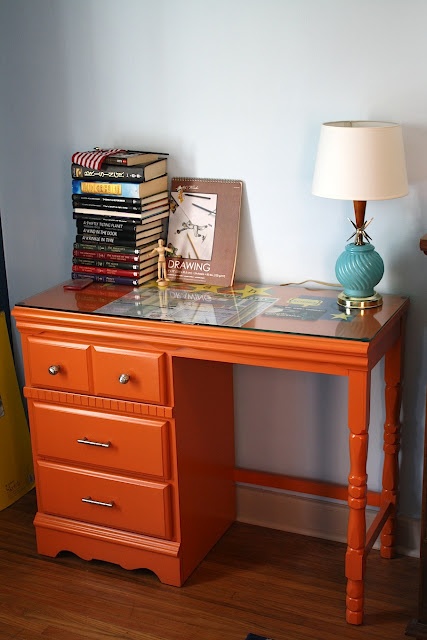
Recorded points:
98,502
124,378
54,369
94,444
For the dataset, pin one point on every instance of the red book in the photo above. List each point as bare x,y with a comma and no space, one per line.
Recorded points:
79,268
116,257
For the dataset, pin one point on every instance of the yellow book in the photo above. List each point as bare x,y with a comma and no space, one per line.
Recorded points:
16,465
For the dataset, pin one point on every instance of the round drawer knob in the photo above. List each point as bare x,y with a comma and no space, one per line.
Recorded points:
53,369
124,378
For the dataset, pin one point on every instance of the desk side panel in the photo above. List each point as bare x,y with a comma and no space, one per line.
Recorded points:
204,419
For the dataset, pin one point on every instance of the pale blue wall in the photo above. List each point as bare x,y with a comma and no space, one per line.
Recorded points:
232,89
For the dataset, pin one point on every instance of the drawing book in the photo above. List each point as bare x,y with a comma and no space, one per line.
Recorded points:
203,230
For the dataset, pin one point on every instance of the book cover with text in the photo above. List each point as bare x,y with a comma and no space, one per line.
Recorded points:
203,230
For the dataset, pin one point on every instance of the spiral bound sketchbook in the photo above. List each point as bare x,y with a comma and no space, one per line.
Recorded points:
203,230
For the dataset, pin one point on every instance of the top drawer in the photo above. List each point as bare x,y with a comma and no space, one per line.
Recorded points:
131,375
57,365
123,374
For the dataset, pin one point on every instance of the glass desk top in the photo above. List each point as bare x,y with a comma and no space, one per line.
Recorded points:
280,309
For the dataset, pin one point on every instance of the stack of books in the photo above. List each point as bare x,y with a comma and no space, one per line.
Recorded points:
121,208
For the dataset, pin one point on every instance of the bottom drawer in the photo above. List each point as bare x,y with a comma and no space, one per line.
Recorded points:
109,500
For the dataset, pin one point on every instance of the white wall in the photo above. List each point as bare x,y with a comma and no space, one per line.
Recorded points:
232,89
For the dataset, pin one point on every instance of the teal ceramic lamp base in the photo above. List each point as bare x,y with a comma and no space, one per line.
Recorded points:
358,269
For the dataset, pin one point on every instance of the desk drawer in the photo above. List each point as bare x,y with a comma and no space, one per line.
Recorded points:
131,375
139,445
57,365
127,504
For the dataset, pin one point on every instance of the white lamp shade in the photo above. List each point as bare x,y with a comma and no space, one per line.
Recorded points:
360,160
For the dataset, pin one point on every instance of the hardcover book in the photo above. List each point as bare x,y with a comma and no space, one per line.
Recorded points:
124,234
123,189
108,271
131,158
131,243
97,157
131,256
203,230
97,222
92,201
116,264
145,216
118,248
131,282
110,172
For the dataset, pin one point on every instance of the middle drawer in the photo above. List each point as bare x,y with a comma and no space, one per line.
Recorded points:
90,437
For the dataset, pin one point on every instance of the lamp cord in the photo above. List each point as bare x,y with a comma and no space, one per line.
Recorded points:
325,284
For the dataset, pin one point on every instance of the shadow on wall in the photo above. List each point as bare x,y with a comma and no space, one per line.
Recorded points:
4,295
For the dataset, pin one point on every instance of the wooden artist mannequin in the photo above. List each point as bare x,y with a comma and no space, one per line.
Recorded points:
162,276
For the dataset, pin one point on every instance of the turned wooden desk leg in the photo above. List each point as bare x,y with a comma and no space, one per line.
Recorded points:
392,378
358,421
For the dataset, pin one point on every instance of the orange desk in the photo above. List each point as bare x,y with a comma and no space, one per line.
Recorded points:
110,370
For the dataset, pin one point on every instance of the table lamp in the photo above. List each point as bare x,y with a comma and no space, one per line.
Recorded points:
360,161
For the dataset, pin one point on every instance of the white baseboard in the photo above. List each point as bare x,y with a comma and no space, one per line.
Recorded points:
315,517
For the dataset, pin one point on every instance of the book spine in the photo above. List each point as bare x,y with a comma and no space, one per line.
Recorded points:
136,217
100,246
141,221
106,206
107,233
93,254
105,200
123,189
85,238
78,268
107,264
93,201
105,225
118,161
123,160
113,173
126,236
109,209
97,277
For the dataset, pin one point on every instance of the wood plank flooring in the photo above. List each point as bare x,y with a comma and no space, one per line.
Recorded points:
276,584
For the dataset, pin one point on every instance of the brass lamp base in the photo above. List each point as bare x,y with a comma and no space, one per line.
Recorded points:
359,303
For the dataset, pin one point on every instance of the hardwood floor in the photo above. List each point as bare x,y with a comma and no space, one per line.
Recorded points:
276,584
